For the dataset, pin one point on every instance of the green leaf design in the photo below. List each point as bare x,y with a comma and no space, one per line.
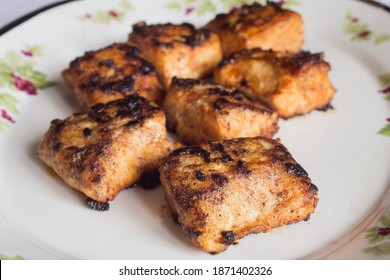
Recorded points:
18,65
25,71
5,69
5,75
373,236
38,79
35,49
385,130
236,3
379,250
107,16
381,38
385,220
101,17
384,79
3,126
358,30
125,5
118,15
291,3
15,63
231,3
8,102
43,84
5,81
206,6
13,58
5,257
175,5
387,98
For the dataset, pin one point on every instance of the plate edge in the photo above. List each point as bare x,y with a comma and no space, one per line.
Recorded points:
32,14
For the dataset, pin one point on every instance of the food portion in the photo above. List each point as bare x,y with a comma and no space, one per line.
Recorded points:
241,182
291,84
200,111
222,191
178,50
108,149
259,26
112,73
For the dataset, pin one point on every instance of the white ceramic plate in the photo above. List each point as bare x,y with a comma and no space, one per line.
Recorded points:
346,157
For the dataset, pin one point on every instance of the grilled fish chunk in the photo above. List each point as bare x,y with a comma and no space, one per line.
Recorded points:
291,84
112,73
108,149
178,50
201,111
257,26
224,190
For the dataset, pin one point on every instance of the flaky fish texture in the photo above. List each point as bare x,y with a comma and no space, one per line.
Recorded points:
224,190
259,26
178,50
291,84
112,73
200,111
108,149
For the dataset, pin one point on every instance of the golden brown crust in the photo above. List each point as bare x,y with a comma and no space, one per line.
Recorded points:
291,84
224,190
112,73
264,26
178,50
200,111
108,149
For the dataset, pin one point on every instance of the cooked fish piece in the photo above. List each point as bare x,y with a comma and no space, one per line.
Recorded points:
108,149
259,26
200,111
224,190
112,73
291,84
178,50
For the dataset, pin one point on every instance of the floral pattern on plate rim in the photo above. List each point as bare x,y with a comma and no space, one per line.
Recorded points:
17,74
378,235
201,7
384,81
359,31
107,16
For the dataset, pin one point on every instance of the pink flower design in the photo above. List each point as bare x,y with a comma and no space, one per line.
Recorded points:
189,10
384,231
385,90
26,52
23,85
364,34
113,13
4,115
